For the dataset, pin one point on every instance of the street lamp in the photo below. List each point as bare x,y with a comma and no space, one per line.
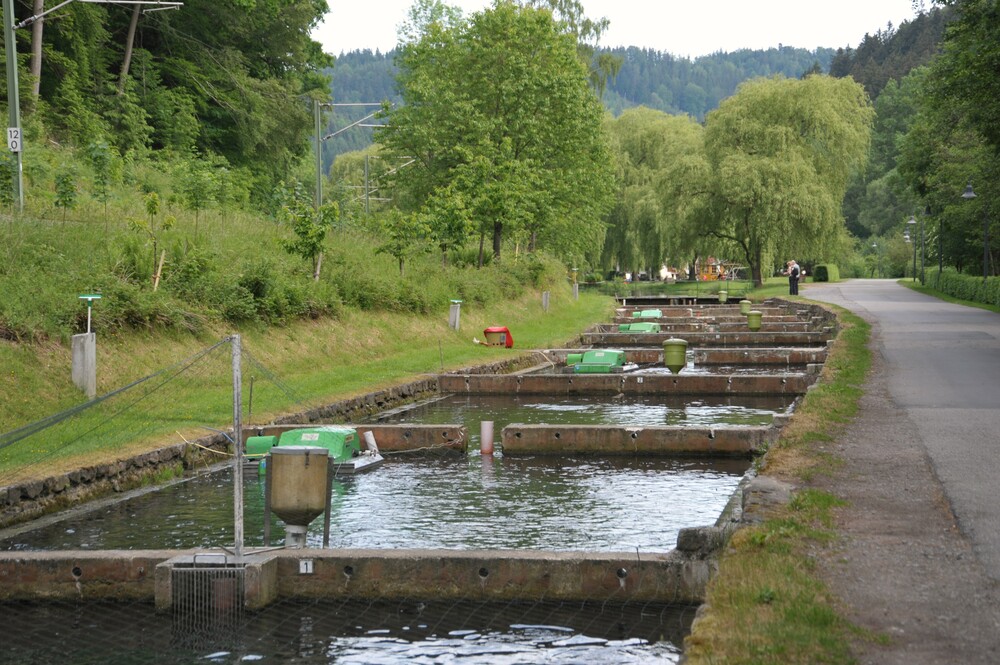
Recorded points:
913,221
969,194
878,259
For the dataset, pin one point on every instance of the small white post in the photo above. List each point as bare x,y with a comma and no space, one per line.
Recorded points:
486,437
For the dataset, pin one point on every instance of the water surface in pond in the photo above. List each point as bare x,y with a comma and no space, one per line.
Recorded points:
451,502
626,410
317,633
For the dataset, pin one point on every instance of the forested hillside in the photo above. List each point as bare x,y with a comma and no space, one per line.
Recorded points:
647,78
890,53
675,85
681,85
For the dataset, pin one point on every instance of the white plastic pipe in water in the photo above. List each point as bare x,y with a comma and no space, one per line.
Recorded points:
370,442
486,437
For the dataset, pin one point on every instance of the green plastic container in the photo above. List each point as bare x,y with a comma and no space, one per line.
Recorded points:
574,358
650,314
342,442
258,446
723,296
584,368
642,327
615,357
753,319
601,361
745,307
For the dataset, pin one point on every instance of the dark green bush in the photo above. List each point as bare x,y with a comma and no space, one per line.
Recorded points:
965,287
826,273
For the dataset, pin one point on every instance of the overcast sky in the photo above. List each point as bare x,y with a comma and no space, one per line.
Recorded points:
681,27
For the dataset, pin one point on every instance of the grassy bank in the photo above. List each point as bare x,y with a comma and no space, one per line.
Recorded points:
766,605
292,368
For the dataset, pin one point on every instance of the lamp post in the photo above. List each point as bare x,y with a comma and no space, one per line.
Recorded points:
923,247
878,260
912,221
969,194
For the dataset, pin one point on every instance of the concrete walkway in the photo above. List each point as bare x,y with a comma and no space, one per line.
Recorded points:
920,559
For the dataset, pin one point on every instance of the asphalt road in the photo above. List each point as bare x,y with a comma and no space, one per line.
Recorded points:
942,364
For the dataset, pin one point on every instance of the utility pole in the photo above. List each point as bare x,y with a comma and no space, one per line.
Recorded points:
15,140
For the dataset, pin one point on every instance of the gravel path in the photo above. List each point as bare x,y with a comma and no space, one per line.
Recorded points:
910,565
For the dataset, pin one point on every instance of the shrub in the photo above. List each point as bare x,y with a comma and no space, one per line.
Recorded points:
826,273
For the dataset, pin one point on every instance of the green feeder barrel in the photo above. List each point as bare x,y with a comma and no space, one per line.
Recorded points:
625,327
753,319
675,354
723,296
745,306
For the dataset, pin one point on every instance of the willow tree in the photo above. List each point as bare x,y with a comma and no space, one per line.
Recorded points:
498,113
655,152
780,154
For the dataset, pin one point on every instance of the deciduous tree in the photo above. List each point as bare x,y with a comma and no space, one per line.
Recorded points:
498,110
781,152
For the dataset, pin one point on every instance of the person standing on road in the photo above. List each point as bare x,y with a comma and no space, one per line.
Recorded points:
793,271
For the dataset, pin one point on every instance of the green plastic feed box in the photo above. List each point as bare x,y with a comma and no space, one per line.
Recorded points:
600,361
642,327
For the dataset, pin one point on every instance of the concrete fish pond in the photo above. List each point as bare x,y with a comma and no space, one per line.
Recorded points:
453,502
616,487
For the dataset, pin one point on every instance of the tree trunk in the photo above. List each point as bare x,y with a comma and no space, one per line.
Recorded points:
36,48
482,241
129,41
319,265
531,241
497,234
756,271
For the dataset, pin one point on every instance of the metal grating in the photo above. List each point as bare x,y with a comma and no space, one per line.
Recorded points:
207,602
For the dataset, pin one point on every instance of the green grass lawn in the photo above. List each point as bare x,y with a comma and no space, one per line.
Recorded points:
285,370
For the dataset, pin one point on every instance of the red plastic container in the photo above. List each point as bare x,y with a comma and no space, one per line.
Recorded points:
498,336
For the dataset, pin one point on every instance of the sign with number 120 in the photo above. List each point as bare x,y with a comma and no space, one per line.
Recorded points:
14,139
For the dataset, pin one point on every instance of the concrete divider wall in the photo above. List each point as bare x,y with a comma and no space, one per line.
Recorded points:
521,439
629,384
504,575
